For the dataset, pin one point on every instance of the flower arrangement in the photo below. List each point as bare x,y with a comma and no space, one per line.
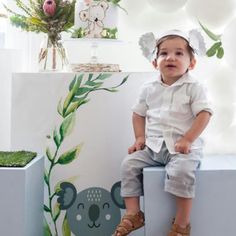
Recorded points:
47,16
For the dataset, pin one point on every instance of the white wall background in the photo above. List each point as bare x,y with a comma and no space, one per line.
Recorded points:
145,16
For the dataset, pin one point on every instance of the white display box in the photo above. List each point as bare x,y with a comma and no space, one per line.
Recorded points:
214,206
21,199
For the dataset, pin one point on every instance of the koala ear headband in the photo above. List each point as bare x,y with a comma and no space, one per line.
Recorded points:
148,42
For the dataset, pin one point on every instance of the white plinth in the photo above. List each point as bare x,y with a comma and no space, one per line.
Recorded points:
214,206
21,199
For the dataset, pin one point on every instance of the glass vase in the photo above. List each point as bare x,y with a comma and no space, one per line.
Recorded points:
52,56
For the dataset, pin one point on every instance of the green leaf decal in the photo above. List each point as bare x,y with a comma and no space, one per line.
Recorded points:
57,187
65,227
59,108
90,77
72,83
77,84
94,84
213,36
48,154
103,76
46,177
67,101
83,90
67,125
56,211
46,229
123,81
70,155
77,102
56,138
220,53
46,208
212,50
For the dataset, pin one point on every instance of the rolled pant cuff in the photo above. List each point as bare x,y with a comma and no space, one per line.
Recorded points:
139,194
180,190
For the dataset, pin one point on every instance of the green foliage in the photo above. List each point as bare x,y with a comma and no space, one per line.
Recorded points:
213,36
46,229
79,90
65,227
36,20
216,48
107,33
78,33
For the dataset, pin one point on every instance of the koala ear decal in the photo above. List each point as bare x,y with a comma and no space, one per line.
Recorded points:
67,195
115,195
83,15
104,5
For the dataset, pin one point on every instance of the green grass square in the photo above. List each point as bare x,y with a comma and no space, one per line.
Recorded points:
16,159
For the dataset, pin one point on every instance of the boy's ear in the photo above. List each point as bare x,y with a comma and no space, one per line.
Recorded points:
192,64
154,63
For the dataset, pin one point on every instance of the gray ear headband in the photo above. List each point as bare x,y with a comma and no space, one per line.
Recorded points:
148,42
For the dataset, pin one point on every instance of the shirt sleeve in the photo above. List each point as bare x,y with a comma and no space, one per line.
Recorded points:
200,100
140,107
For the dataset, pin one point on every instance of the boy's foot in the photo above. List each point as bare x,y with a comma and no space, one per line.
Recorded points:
177,230
129,223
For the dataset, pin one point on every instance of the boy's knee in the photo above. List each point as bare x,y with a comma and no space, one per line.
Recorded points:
180,183
125,164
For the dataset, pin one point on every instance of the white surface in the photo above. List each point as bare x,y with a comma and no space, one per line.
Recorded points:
103,125
214,206
21,200
10,61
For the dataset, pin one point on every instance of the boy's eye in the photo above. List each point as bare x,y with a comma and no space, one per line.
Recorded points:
163,53
179,53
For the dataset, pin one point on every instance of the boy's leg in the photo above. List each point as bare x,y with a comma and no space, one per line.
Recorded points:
180,181
132,205
183,210
132,189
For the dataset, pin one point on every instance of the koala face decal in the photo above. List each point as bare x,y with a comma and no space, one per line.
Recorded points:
94,15
93,211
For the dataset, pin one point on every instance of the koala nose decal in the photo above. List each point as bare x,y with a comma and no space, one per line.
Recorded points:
96,19
93,212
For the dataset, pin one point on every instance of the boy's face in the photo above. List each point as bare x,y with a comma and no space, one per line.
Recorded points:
173,59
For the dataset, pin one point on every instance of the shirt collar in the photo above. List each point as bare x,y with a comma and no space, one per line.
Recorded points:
185,79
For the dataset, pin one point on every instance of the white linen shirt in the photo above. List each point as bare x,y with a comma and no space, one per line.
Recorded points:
171,110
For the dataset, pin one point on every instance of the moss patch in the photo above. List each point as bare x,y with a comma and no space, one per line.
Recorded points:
16,159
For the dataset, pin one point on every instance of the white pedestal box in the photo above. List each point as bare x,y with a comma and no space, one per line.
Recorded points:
21,199
214,206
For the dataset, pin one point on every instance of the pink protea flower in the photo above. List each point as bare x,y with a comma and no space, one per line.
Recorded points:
49,7
87,2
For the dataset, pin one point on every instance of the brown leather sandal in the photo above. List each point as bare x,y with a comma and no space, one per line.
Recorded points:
124,228
176,230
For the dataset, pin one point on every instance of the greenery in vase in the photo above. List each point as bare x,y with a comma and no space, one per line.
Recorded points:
216,49
78,95
48,16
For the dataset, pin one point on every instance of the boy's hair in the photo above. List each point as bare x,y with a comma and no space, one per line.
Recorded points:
190,50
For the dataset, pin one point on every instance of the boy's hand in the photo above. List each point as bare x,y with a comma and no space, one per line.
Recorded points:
183,146
138,145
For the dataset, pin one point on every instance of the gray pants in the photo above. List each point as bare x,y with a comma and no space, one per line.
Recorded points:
180,171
